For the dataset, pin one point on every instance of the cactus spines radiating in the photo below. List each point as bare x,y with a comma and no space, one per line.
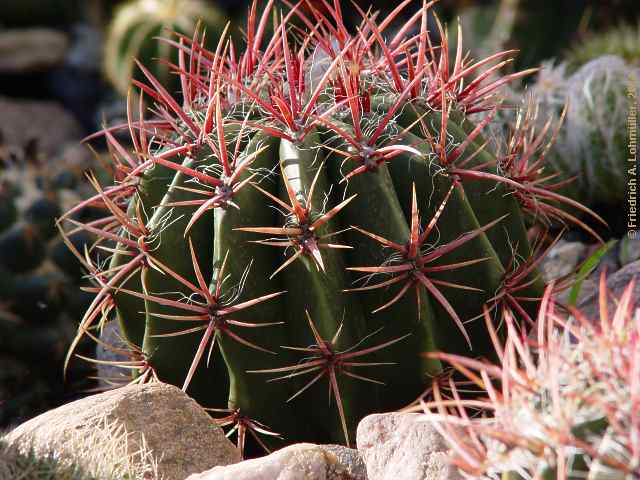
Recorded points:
298,187
323,359
133,31
561,404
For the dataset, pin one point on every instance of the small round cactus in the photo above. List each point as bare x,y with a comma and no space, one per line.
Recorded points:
134,31
40,283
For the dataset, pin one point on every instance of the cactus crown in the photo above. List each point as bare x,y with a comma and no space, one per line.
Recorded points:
296,187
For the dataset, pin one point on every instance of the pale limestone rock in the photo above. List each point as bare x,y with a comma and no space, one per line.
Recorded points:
398,446
303,461
351,459
157,417
563,259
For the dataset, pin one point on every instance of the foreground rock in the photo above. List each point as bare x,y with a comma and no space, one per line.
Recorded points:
165,429
303,461
351,459
398,446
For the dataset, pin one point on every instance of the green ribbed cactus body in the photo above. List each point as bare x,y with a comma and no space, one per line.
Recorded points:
134,31
167,225
130,310
382,205
305,230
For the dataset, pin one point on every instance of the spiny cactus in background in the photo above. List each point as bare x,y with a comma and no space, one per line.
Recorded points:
327,198
592,145
35,263
134,33
622,41
488,28
39,279
561,404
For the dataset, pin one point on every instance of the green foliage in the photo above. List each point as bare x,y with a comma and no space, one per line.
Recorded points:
586,269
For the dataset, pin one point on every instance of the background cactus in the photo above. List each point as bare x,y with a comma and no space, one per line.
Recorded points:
488,28
592,146
133,35
39,294
622,41
331,191
562,404
35,262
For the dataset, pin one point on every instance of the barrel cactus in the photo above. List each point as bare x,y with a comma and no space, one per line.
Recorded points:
133,31
327,199
488,28
562,404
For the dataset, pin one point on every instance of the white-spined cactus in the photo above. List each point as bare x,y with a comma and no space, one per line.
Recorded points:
592,146
593,106
562,404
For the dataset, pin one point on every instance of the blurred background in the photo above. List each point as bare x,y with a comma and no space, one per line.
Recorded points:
65,68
